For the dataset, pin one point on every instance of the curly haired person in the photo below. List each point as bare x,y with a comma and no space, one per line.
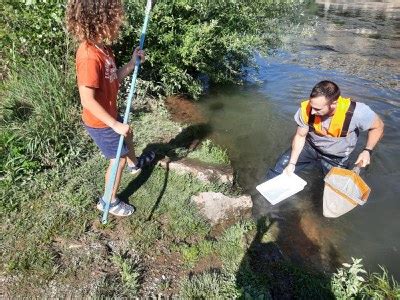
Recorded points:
96,24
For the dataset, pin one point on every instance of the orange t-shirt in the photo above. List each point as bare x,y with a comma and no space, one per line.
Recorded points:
96,69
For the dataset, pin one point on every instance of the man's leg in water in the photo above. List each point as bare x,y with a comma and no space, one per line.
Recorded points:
327,163
307,156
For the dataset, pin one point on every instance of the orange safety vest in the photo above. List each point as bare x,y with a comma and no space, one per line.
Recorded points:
340,122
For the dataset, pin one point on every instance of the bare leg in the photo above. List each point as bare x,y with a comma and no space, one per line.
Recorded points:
131,158
117,182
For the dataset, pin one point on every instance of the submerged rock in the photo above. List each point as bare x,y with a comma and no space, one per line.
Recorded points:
183,110
216,207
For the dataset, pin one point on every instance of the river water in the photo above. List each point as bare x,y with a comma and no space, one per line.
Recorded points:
357,45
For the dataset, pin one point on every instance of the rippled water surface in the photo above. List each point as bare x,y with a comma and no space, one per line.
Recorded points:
355,44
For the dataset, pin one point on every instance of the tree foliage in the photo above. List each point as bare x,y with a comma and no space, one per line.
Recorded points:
188,42
33,29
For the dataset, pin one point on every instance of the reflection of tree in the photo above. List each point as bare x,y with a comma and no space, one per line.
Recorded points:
388,7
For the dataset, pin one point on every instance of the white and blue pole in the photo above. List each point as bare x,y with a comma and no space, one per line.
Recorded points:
115,165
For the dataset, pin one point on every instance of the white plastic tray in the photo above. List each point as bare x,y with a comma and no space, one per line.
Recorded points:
281,187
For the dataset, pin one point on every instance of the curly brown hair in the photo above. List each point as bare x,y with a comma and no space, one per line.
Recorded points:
94,20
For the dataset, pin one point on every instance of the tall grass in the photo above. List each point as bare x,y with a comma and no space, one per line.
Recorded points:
380,286
39,113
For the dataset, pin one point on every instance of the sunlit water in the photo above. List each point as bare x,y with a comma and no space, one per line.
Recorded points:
357,46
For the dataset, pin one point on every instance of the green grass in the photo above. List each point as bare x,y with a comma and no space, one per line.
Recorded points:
51,231
15,162
130,273
234,278
39,115
56,210
209,285
193,253
155,128
231,246
208,152
60,206
380,286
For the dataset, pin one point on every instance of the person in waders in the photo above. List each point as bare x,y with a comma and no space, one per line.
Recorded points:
327,132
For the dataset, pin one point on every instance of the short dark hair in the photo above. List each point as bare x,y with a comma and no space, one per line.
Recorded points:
326,88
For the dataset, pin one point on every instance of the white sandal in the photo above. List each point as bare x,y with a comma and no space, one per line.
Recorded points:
117,208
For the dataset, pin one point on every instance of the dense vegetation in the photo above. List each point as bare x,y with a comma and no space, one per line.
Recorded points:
187,42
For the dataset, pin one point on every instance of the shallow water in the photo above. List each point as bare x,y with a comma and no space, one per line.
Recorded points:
357,46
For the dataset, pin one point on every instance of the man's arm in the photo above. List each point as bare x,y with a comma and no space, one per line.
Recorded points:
375,133
89,102
297,145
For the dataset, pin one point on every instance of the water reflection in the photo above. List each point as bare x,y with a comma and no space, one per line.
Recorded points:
354,8
360,38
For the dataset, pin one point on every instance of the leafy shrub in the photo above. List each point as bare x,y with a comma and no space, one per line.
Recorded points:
347,283
15,162
189,40
129,271
33,29
41,112
192,254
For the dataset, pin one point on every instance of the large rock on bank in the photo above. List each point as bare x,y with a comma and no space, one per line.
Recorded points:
202,171
217,208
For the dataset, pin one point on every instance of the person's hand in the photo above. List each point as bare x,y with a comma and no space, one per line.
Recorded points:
363,159
138,54
121,128
289,170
